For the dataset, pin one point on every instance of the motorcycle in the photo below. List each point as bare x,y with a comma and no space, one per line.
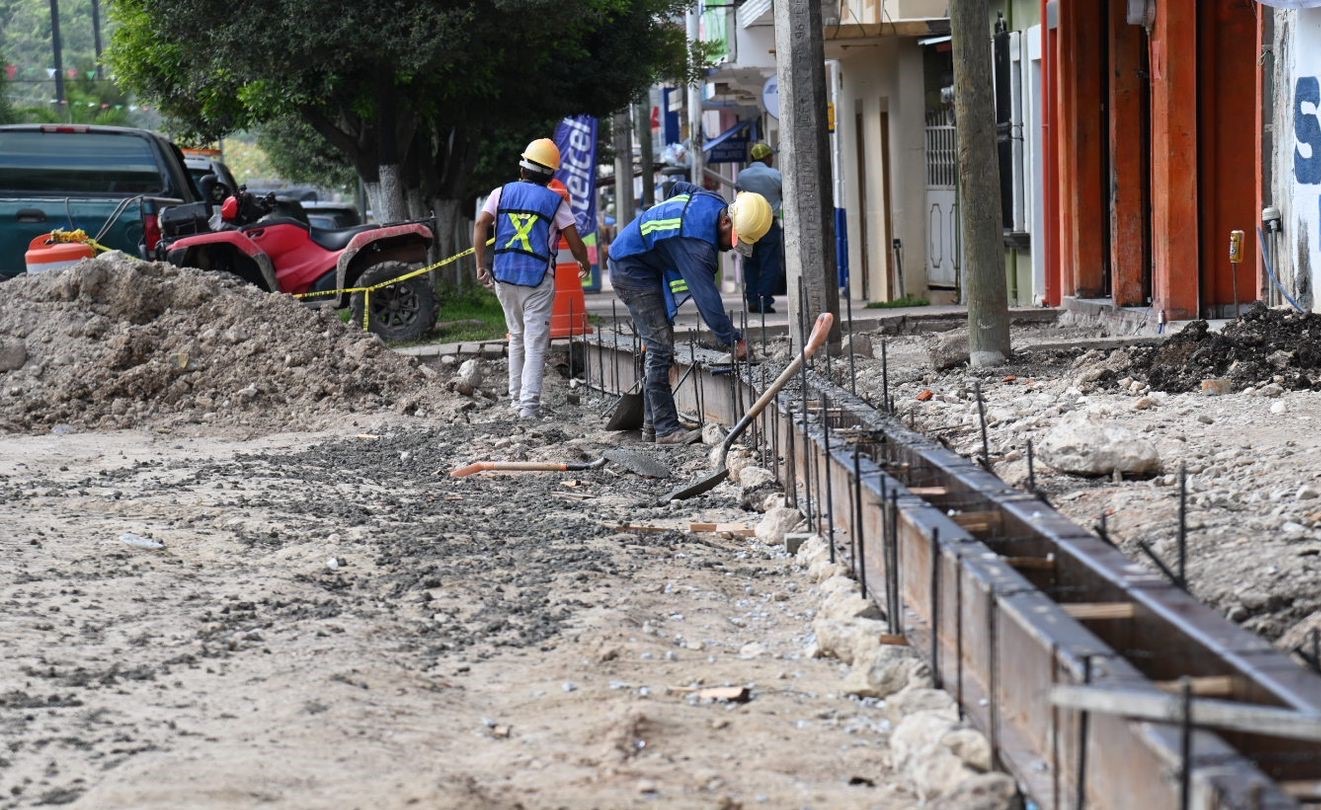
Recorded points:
263,241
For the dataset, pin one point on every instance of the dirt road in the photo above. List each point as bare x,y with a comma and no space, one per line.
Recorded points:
486,642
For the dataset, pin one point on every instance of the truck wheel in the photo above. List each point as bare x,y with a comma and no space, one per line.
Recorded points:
403,311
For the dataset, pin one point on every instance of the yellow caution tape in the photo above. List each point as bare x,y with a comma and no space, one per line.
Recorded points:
59,236
367,291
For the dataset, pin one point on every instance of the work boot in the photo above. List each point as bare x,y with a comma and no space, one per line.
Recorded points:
648,434
680,437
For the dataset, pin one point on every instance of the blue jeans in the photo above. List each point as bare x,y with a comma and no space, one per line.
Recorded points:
764,269
645,301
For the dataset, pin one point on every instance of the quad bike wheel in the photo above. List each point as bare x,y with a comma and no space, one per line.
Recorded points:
404,311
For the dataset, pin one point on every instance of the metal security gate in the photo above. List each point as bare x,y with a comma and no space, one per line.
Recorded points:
943,242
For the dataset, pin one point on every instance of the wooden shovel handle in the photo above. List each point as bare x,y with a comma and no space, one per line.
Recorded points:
820,334
518,466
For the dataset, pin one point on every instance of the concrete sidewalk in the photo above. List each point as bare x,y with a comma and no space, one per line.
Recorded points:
889,321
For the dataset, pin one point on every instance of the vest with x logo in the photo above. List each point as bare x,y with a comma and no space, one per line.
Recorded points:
523,222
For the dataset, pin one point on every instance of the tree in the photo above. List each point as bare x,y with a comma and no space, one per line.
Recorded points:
408,92
979,185
297,153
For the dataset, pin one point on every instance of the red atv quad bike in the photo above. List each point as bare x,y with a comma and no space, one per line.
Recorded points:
265,242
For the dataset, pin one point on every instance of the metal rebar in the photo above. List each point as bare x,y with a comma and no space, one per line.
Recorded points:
848,308
762,309
893,566
958,633
830,499
1183,526
1158,562
1186,743
981,418
614,346
775,440
571,338
791,464
935,608
886,536
993,677
807,456
885,377
857,520
600,361
1031,470
1084,720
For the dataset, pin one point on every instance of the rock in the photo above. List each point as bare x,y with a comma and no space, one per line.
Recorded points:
712,434
938,773
1217,386
917,734
985,791
848,641
948,350
13,354
1205,419
971,746
1270,390
823,569
735,461
1144,403
1082,445
1307,492
1278,408
860,345
887,670
772,502
848,605
776,523
920,698
751,477
812,550
752,650
1300,635
794,541
470,376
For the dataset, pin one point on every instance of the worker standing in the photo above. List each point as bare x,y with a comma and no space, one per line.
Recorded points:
763,271
528,219
678,242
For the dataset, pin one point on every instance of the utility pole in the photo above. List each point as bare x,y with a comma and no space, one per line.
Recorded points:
696,140
59,56
809,225
979,185
643,115
96,33
623,140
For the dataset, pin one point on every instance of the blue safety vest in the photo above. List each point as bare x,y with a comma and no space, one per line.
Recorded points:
695,215
522,233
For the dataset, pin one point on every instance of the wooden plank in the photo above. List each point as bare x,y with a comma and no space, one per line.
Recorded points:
1095,611
644,528
1046,563
1305,790
893,640
1140,704
982,521
736,529
928,492
1205,686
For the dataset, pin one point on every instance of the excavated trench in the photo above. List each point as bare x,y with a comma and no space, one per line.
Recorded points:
1009,600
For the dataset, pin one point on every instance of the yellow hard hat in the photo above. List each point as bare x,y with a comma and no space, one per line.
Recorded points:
542,155
752,217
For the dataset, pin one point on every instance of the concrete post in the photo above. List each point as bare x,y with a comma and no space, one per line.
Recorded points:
623,142
809,226
979,185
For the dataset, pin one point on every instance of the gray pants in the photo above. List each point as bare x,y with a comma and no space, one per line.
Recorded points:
527,316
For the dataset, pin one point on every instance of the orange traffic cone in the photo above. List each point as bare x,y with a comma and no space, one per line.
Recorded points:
568,316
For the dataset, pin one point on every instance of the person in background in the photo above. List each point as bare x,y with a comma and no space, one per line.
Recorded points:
529,218
763,271
682,235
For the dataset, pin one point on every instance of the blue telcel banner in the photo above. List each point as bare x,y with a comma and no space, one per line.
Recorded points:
576,138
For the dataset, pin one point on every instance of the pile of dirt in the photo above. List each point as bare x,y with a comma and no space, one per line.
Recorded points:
1264,346
115,342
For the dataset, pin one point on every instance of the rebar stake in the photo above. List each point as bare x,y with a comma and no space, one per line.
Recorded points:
571,339
848,305
1186,743
1084,720
885,377
830,496
981,417
859,551
1031,470
935,608
1183,526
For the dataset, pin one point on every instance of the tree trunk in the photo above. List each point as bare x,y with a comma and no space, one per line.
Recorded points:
391,205
809,216
453,235
979,185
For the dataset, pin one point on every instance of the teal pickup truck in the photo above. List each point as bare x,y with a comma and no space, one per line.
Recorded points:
73,176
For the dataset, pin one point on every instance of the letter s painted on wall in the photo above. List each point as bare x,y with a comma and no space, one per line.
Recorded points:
1307,129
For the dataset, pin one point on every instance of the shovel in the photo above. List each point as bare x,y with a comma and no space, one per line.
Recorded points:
637,463
820,333
629,411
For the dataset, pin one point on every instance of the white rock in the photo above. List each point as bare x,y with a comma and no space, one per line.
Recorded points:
1270,390
938,773
848,605
812,549
1084,446
1278,408
776,523
887,670
917,734
920,698
948,350
736,461
751,477
985,791
969,745
712,434
773,502
823,569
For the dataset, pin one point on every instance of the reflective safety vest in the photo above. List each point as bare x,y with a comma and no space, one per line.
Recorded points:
676,293
522,233
695,215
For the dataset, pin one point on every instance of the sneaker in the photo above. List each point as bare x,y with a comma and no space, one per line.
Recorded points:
680,437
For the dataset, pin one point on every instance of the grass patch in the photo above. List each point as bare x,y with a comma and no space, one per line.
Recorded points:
898,303
467,315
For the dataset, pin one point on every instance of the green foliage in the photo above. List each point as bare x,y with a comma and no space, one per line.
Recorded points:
297,153
451,80
899,303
